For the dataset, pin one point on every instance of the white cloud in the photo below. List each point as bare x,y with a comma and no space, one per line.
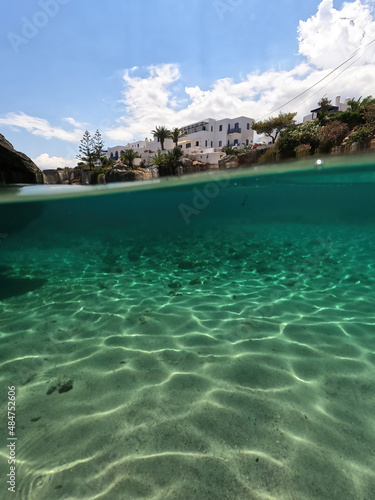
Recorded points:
332,35
44,161
73,122
41,127
325,40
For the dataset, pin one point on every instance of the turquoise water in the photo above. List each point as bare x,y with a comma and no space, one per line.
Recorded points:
210,337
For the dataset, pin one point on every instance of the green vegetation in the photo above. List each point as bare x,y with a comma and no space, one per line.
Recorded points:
363,135
332,135
168,162
330,129
175,135
325,110
90,149
270,156
273,126
128,156
229,150
161,133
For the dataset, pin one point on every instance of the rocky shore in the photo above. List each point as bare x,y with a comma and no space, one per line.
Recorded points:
16,167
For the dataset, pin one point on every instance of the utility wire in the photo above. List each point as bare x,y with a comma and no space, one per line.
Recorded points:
333,79
317,83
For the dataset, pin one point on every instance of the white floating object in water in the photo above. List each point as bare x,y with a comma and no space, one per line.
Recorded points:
319,163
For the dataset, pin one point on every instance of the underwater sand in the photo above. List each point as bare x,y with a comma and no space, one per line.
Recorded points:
228,358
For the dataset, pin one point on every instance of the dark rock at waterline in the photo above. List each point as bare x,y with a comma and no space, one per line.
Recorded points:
16,167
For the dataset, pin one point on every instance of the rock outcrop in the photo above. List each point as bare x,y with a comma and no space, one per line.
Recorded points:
16,167
70,176
142,174
243,159
87,177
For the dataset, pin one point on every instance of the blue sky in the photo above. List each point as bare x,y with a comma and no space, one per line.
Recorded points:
125,67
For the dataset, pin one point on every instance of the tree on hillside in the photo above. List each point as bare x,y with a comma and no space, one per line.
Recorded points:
325,105
273,126
168,162
90,148
161,133
176,133
359,104
355,113
87,149
98,144
128,157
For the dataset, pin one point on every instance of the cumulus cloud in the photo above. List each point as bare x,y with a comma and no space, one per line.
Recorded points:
332,35
326,40
41,127
44,161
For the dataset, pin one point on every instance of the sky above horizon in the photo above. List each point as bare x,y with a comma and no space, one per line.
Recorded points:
126,67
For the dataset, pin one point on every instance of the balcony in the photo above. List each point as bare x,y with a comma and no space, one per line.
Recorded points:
235,130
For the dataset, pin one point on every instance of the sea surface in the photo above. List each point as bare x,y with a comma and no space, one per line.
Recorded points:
207,337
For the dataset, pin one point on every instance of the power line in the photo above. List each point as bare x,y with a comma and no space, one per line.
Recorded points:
333,79
321,80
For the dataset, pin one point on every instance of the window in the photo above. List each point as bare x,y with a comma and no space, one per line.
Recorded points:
212,144
137,145
212,128
237,125
247,142
116,155
248,126
206,143
220,128
235,142
197,143
228,126
188,145
220,144
228,142
203,128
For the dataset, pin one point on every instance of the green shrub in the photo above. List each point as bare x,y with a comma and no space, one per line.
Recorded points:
369,114
332,135
363,135
270,156
287,142
351,118
292,137
303,150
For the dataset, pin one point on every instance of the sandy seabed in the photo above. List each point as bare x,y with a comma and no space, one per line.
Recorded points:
238,365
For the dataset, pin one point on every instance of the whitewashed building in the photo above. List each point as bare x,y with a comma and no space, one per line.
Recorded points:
202,140
217,134
338,106
140,147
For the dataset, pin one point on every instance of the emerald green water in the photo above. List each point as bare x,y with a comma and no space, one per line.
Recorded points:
210,337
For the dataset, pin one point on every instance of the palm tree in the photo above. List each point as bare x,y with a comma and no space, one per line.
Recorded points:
128,157
357,106
168,162
176,133
161,133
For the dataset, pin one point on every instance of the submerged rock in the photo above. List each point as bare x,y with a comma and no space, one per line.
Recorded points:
16,167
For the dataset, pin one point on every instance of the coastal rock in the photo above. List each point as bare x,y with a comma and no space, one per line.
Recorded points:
248,158
68,176
142,174
16,167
